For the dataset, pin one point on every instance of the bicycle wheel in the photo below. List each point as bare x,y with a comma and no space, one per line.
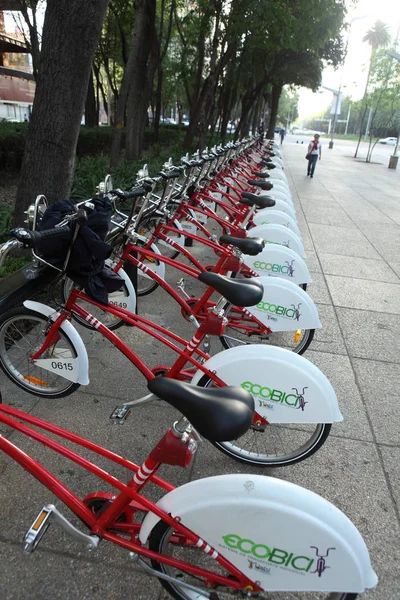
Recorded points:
276,444
242,330
164,540
22,332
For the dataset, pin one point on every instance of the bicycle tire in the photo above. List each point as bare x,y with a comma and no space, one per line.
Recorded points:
159,542
285,433
233,336
27,328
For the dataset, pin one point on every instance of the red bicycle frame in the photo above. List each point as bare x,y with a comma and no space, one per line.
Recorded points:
127,501
194,307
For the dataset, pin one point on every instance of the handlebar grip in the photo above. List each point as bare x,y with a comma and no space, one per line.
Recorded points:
136,193
177,171
37,236
31,238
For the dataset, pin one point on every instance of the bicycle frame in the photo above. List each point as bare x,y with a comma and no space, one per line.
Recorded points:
192,306
128,500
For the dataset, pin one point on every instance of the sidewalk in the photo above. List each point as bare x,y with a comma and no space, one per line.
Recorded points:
349,215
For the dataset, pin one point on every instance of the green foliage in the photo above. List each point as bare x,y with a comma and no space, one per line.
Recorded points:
12,144
288,106
12,264
90,170
5,217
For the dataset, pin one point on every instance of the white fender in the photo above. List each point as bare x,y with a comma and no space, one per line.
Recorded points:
119,298
79,373
273,532
282,206
278,234
179,240
280,382
285,306
157,268
280,186
280,194
276,217
279,261
277,174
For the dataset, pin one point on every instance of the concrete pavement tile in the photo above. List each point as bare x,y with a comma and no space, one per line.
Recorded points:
338,370
370,334
379,384
365,295
354,266
392,213
395,266
328,338
372,215
318,289
391,462
341,240
72,576
377,231
328,215
313,262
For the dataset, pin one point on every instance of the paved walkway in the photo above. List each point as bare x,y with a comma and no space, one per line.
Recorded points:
350,220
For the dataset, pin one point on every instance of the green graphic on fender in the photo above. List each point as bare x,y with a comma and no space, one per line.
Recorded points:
276,556
272,395
281,311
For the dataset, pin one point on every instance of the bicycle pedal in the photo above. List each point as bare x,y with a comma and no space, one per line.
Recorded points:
40,525
37,530
120,414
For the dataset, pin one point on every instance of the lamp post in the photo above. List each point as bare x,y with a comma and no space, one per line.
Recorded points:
338,95
394,159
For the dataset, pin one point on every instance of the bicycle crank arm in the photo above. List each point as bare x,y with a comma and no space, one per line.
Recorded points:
40,525
136,558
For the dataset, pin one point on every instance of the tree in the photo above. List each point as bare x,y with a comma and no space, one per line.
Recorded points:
288,106
70,34
376,37
29,10
136,84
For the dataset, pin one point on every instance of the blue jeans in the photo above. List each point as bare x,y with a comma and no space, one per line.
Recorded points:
311,164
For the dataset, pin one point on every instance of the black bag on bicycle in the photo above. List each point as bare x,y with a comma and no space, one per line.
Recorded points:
89,250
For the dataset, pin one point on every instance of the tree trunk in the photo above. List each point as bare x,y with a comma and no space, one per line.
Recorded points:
142,76
275,95
91,107
70,34
134,76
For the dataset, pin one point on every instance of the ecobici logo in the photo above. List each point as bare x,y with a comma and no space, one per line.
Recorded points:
281,311
286,269
267,395
275,556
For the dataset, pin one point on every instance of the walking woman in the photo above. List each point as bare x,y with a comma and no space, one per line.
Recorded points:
314,150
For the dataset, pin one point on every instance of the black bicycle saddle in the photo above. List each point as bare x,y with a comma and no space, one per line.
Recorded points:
236,292
219,414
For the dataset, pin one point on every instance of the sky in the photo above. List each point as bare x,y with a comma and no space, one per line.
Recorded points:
353,74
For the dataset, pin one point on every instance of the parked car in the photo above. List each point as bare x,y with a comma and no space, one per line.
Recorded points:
391,141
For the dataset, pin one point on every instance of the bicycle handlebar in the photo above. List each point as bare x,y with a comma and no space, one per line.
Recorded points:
175,172
31,238
142,190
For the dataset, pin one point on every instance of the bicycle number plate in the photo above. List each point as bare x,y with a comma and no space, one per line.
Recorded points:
66,367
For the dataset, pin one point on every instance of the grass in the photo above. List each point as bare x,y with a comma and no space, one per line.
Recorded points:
12,264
